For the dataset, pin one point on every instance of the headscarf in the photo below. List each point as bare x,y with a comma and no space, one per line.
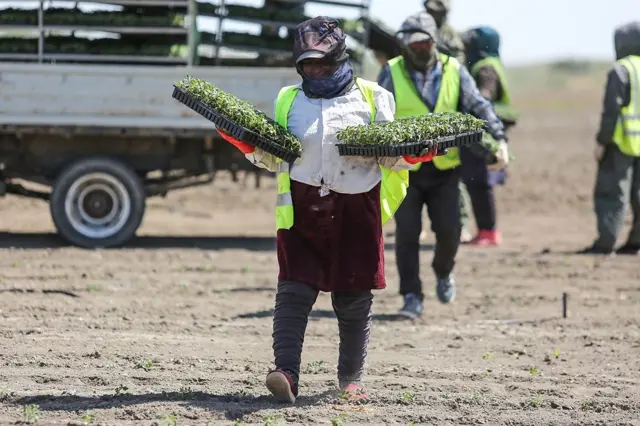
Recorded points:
627,40
321,37
481,42
416,28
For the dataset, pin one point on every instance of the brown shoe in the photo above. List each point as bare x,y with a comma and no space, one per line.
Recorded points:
282,386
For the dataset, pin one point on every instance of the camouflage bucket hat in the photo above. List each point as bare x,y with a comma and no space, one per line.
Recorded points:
438,5
320,37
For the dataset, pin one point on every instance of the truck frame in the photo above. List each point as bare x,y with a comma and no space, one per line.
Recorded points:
100,139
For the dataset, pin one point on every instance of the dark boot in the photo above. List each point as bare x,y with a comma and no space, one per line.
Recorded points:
629,249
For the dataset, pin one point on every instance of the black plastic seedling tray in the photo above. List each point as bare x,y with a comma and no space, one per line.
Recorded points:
479,149
233,129
410,148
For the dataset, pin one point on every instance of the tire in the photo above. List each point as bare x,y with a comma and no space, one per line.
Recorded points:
97,203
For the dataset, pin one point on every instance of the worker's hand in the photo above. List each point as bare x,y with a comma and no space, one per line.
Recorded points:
598,153
502,156
426,155
244,147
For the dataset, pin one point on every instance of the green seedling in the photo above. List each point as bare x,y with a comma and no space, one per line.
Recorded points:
534,371
476,398
6,394
31,413
121,390
556,353
184,393
239,112
145,364
317,367
408,398
237,423
93,287
411,129
271,420
339,420
170,420
536,401
487,356
87,418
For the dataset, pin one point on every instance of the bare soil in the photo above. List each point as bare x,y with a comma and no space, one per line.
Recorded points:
179,322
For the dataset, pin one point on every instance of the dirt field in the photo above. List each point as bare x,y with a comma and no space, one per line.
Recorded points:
175,329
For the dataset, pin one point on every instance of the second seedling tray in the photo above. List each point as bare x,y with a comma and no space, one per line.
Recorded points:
233,129
410,148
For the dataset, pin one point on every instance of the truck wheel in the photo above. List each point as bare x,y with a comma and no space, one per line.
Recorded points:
97,202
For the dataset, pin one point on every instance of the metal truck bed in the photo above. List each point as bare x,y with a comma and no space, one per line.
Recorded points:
109,96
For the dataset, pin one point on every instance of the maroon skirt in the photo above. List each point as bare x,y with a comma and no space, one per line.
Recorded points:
335,243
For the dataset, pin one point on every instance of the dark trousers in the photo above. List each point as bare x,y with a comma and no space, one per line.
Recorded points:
617,182
294,302
484,205
439,191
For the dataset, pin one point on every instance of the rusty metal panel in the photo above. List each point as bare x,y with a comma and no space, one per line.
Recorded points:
123,96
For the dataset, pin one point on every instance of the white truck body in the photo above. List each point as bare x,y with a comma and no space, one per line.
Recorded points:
113,96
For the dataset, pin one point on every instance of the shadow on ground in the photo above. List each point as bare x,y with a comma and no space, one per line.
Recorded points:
258,243
318,314
233,406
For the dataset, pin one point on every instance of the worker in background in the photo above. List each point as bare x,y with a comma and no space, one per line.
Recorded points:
450,43
423,81
482,47
617,149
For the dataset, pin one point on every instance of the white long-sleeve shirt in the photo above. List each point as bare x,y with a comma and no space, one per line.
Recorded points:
315,122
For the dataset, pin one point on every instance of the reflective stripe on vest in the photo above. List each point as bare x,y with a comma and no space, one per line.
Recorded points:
284,201
393,187
410,104
627,131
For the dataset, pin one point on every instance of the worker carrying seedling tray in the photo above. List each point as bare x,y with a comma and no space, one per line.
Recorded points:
330,209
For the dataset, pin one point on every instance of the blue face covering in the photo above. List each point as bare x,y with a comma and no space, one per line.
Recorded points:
330,86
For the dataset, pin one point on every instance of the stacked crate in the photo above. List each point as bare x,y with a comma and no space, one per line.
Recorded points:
163,32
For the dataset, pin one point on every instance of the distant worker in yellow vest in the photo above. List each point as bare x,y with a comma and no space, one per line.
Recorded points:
330,209
483,60
617,149
423,81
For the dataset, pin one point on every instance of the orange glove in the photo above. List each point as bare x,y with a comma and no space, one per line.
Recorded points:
424,159
244,147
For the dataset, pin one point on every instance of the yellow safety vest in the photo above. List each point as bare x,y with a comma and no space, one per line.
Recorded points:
627,132
410,104
502,106
496,64
393,186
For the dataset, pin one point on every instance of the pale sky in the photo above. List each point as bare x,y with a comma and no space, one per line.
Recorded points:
531,30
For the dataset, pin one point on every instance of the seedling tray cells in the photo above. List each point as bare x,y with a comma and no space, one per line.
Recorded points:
237,117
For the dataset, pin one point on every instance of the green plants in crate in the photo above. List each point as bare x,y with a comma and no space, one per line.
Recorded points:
237,117
69,16
410,135
11,16
19,45
249,40
265,13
